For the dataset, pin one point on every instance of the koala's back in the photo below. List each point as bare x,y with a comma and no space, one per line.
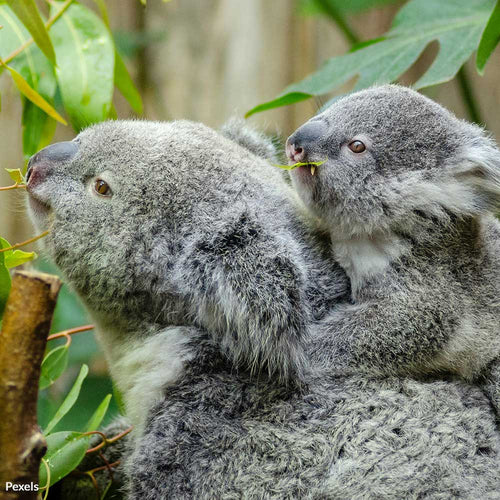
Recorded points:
219,434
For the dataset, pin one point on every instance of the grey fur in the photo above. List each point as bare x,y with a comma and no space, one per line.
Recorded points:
196,220
412,223
183,241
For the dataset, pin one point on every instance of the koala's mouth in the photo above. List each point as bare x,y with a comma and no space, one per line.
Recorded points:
39,211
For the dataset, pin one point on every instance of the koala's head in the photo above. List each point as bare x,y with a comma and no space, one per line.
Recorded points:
390,152
119,200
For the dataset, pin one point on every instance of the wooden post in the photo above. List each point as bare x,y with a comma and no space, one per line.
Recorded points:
26,325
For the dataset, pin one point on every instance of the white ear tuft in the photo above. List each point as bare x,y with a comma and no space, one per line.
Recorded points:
478,168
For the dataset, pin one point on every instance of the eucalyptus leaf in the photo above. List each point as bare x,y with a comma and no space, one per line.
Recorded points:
69,401
16,175
86,59
38,129
31,63
65,450
53,365
300,164
126,86
489,39
96,419
31,94
457,28
27,12
15,258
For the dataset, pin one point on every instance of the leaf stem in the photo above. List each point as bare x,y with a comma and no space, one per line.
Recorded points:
71,331
48,24
468,96
14,186
31,240
332,12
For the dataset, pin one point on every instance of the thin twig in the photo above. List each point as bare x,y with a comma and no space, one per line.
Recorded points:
48,24
71,331
107,441
14,186
102,467
468,96
27,242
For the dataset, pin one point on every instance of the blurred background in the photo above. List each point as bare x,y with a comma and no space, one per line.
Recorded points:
207,61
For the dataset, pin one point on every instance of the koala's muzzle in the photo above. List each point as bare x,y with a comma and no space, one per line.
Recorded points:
47,158
302,141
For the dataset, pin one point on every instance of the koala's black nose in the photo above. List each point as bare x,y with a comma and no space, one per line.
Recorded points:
48,157
300,143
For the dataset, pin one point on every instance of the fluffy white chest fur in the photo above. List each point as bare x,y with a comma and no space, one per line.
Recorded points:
142,367
366,256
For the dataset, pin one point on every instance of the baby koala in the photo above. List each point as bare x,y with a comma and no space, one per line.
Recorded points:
408,193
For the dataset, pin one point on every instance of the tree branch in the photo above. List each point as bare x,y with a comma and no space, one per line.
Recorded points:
26,325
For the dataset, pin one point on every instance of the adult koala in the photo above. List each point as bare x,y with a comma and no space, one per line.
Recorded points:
195,263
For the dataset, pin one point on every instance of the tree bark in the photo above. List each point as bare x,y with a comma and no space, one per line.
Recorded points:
26,325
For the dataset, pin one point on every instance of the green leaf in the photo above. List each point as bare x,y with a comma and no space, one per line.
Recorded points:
69,401
311,7
489,39
65,450
126,86
28,14
86,60
5,280
31,94
285,100
16,175
38,129
53,365
99,414
457,28
37,71
31,62
299,164
13,258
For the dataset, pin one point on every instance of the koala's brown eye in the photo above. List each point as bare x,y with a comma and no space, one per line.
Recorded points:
356,146
102,188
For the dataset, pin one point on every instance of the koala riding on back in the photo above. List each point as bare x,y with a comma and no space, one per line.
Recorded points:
409,194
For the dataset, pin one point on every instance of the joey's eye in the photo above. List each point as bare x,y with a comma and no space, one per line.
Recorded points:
356,146
101,187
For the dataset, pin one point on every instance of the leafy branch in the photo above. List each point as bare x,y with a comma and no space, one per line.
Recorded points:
460,29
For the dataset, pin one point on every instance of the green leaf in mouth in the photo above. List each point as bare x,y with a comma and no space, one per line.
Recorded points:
300,164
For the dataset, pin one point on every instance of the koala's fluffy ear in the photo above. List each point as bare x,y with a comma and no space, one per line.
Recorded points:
478,169
255,141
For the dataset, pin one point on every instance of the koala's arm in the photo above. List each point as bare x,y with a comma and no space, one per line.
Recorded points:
247,287
397,333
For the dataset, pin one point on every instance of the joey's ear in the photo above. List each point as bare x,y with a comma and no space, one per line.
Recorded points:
250,138
478,168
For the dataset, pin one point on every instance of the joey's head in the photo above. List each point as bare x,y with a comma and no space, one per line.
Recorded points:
391,153
118,200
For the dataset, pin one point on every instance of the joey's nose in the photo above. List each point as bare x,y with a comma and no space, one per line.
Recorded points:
48,158
300,144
